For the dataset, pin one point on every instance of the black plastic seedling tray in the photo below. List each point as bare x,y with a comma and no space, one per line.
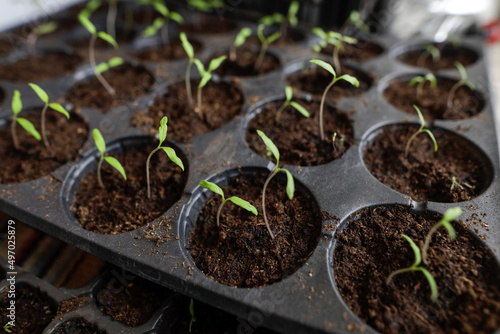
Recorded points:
307,301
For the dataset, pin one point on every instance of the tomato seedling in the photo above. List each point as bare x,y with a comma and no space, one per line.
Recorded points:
206,75
101,147
450,215
239,41
43,29
420,81
293,104
190,53
161,23
17,106
422,129
462,82
265,41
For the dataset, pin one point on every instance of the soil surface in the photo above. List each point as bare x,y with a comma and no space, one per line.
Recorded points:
449,55
221,102
432,103
360,51
426,175
208,25
466,273
173,50
244,64
33,309
132,305
315,82
240,252
34,160
124,205
40,67
77,326
70,305
129,82
297,137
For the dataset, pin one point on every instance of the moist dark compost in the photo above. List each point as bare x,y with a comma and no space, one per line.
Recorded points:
297,137
370,248
361,51
77,326
244,64
241,252
170,51
208,25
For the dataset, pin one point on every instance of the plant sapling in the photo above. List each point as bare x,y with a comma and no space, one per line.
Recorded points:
206,75
419,131
265,44
162,22
239,41
420,82
429,50
190,53
454,183
450,215
341,140
355,20
42,29
337,41
101,147
17,106
462,82
293,104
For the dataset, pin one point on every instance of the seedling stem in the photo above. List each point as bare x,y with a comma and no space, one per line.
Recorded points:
462,82
17,106
101,147
450,215
419,131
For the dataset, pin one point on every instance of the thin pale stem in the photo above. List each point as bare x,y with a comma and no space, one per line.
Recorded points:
321,128
99,166
188,83
413,136
420,89
336,61
260,58
15,140
451,94
42,121
427,241
164,35
101,79
397,272
219,211
111,19
147,170
264,200
198,108
280,111
232,53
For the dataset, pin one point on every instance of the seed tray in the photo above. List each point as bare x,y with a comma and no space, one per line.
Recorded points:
307,301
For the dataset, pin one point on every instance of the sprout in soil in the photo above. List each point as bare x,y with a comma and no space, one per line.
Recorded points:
101,147
350,79
106,66
419,131
84,20
322,43
17,106
420,82
338,40
290,19
415,267
265,43
206,6
8,327
293,104
462,82
239,41
54,106
236,200
454,183
341,140
206,75
191,312
355,20
290,185
162,22
162,135
429,50
450,215
42,29
190,53
91,7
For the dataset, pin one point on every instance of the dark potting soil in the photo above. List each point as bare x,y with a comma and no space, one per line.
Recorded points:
172,50
34,160
449,55
7,44
132,305
70,305
221,102
361,51
426,175
124,205
40,67
33,309
77,326
466,273
244,64
129,83
297,137
315,81
208,25
432,102
240,252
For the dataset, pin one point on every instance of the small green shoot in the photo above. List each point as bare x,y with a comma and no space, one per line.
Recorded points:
429,50
449,216
420,82
161,23
91,7
419,131
17,106
290,19
293,104
454,183
355,20
101,147
162,135
54,106
265,44
43,29
462,82
8,327
206,75
341,140
338,40
290,185
239,41
346,77
191,312
322,43
416,267
190,53
106,66
205,5
236,200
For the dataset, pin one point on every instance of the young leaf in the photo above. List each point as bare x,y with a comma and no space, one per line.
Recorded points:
273,37
290,185
204,79
270,146
116,165
212,187
176,17
292,13
106,37
215,63
324,65
173,156
115,61
99,141
416,250
187,46
431,135
461,70
415,80
450,215
46,28
242,36
300,109
161,8
86,23
244,204
59,108
102,67
162,131
350,79
200,67
432,283
40,92
29,127
288,93
17,104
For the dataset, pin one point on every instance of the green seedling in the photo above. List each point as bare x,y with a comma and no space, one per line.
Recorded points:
422,129
84,20
239,41
420,82
106,66
191,312
322,43
290,185
454,183
8,327
54,106
190,53
429,50
17,106
341,140
284,21
206,75
449,216
265,44
416,267
205,5
161,23
462,82
91,7
338,40
162,135
355,20
293,104
42,29
101,147
346,77
236,200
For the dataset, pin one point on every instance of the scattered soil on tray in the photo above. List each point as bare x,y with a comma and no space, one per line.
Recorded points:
34,310
124,205
221,102
432,103
129,82
449,55
466,273
208,25
40,67
292,37
70,305
132,305
34,160
426,175
244,64
77,326
361,51
297,137
173,50
316,81
240,252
